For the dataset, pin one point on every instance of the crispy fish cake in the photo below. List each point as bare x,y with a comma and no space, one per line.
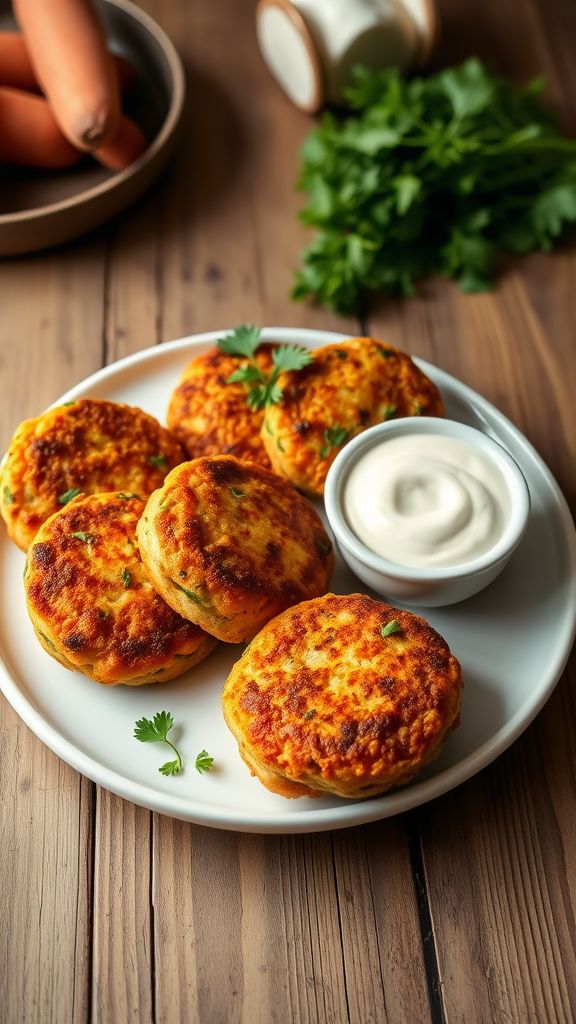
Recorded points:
210,416
327,700
229,545
84,446
347,387
91,603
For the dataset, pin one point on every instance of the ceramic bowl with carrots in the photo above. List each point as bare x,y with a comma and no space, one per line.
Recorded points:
61,52
91,97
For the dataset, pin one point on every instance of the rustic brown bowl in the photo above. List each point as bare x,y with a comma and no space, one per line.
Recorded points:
39,209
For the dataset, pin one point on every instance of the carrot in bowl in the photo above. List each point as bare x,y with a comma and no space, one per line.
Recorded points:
16,67
123,148
67,49
29,134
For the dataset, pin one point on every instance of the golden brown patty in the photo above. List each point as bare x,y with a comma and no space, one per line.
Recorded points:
322,702
84,447
91,603
229,545
210,416
348,387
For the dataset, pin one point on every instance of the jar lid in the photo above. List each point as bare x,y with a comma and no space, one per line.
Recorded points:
311,52
290,53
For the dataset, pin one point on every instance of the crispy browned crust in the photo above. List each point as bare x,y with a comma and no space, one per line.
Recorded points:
92,604
209,416
229,545
89,444
321,702
351,385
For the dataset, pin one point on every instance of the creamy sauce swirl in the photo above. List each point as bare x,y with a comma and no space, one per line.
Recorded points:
426,501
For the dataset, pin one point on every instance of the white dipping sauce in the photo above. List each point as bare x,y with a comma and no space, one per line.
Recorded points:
426,501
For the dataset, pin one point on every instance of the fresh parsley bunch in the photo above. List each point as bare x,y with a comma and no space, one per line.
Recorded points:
433,175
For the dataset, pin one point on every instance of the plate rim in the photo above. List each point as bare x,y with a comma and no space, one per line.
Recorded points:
347,814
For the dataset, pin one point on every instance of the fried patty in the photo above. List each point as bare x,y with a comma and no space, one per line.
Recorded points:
84,447
91,603
229,545
347,387
210,416
323,701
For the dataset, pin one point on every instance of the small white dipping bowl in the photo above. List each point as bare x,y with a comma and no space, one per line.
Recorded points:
426,587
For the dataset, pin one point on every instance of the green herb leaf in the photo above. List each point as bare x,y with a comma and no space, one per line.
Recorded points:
246,375
126,577
159,461
268,394
311,713
86,538
189,593
387,412
442,174
123,496
333,438
203,762
242,341
67,496
264,389
237,493
8,496
156,731
291,357
390,628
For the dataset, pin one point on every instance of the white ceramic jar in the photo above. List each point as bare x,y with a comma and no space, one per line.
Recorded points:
311,46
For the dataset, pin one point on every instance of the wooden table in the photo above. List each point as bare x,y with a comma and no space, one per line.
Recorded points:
460,911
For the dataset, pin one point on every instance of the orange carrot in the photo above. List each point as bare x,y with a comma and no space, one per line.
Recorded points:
123,148
68,53
29,135
16,67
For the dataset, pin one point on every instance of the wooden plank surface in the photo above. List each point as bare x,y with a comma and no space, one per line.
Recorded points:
461,911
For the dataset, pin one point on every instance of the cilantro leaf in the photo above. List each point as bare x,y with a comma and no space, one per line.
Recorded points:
242,341
67,496
264,389
554,209
246,375
203,763
333,438
156,731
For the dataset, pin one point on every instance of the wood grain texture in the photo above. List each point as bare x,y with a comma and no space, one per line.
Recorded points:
462,911
122,964
499,853
50,337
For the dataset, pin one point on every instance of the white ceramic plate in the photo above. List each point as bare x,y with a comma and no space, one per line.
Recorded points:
512,640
